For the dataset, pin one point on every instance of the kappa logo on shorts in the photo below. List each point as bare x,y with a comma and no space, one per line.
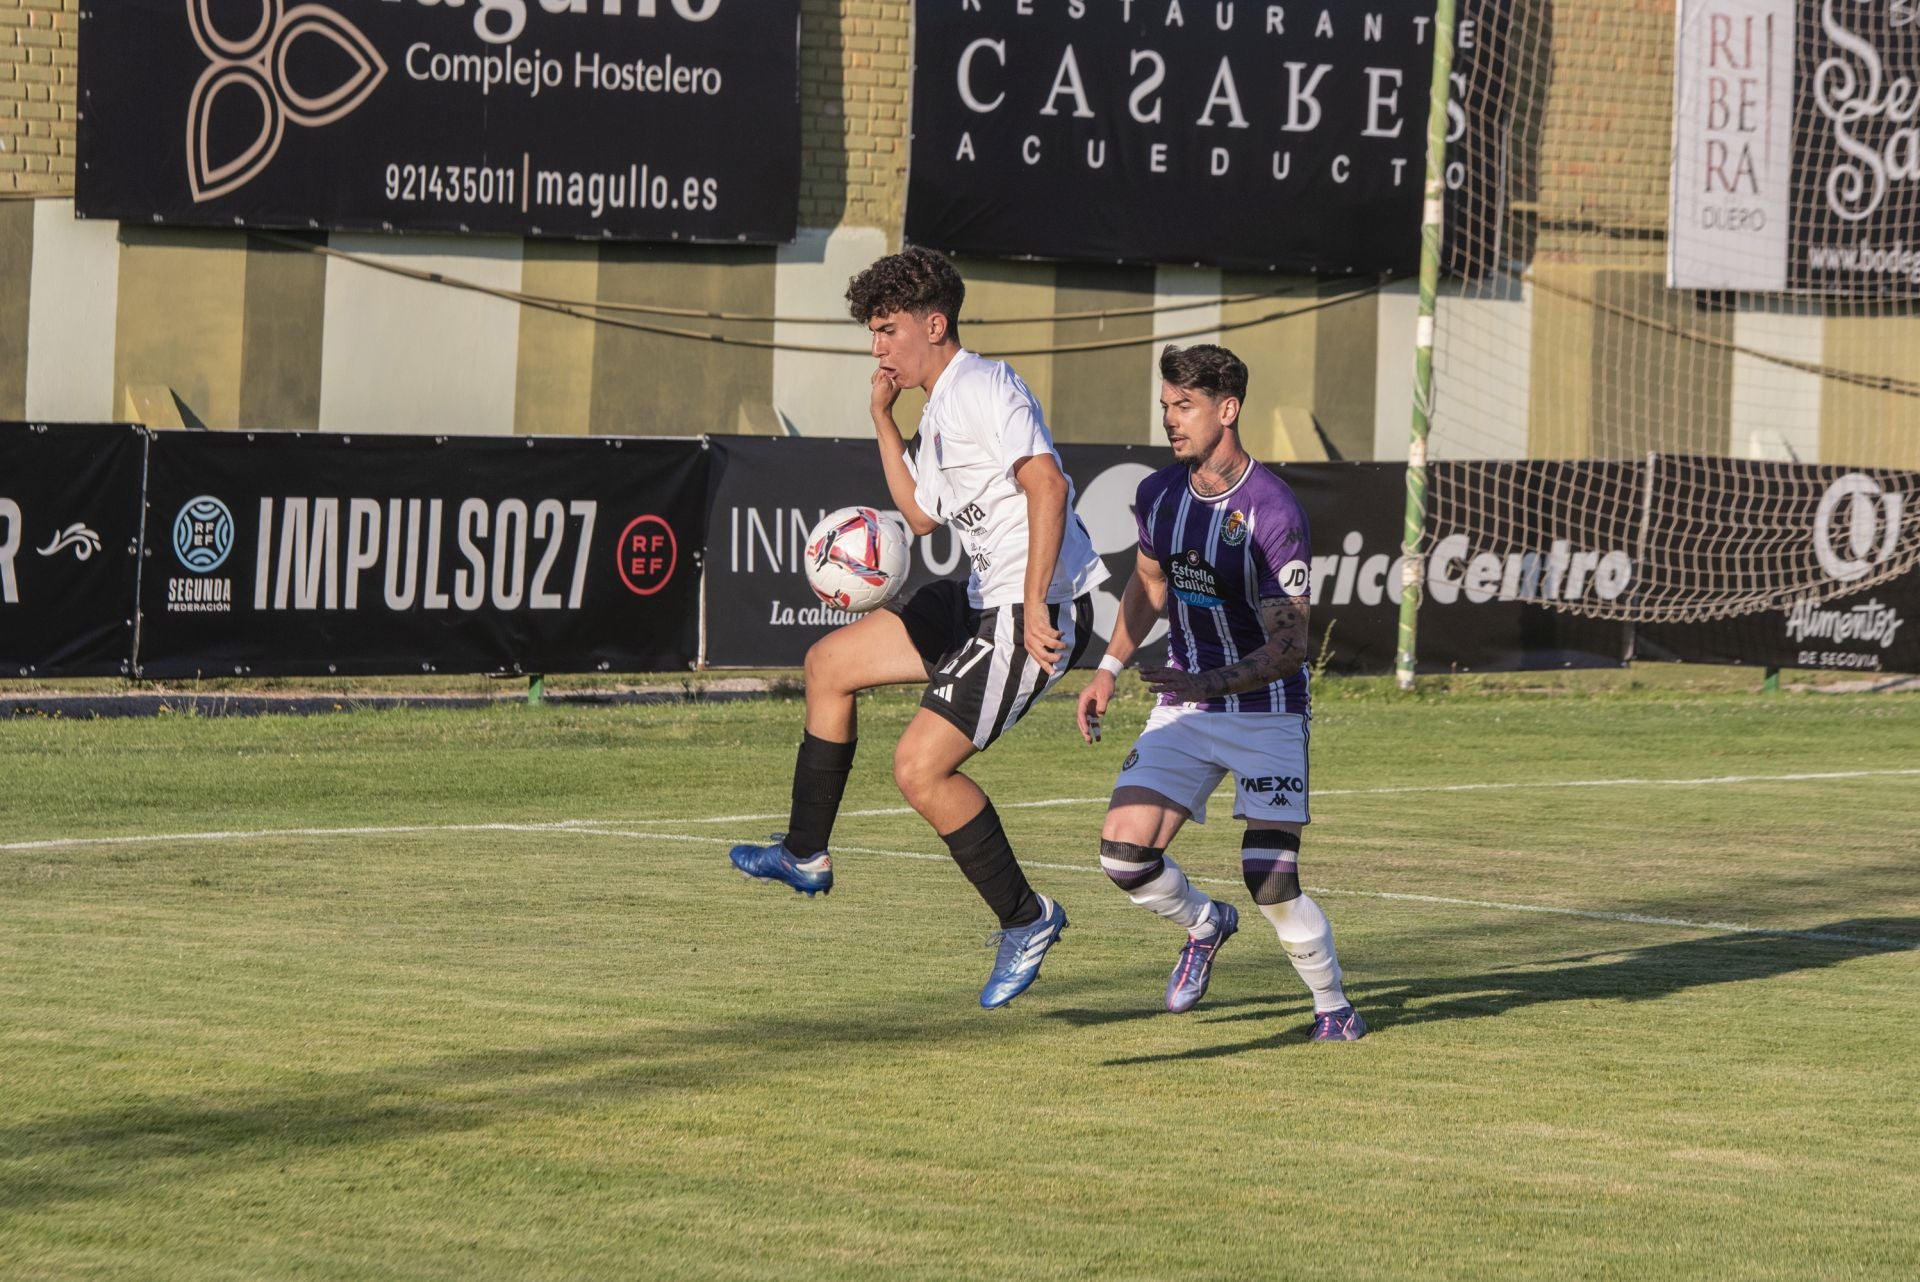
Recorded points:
1133,759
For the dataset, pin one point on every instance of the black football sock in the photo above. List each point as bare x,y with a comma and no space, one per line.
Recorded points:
980,847
819,781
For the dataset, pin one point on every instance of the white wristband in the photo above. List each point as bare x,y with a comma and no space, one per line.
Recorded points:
1110,664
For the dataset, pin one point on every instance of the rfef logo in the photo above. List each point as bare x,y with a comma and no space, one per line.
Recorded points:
203,534
647,555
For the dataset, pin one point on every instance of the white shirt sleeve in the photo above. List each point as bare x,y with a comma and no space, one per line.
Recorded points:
1019,430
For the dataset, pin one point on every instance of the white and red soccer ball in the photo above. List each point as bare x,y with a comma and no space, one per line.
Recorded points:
857,558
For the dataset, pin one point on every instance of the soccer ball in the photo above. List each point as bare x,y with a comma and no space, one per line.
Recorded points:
857,558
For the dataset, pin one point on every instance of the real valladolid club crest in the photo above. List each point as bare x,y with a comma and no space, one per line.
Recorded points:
255,62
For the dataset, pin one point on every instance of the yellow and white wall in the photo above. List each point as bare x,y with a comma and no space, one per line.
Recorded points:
107,321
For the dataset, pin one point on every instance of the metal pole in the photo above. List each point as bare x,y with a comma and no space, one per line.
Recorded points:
1413,567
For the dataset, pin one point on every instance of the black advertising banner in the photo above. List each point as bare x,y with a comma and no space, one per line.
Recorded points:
1867,632
1236,135
69,548
760,612
624,119
297,553
1502,605
1842,542
1855,204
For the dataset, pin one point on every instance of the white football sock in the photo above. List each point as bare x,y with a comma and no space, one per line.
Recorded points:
1172,896
1308,938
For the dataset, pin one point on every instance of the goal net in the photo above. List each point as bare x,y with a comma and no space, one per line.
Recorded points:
1686,243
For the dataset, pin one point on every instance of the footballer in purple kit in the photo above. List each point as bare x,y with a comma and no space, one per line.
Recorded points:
1225,556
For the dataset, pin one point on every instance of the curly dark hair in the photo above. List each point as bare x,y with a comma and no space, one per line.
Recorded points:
1205,367
918,281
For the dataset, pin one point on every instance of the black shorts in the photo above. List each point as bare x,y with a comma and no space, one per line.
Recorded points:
979,674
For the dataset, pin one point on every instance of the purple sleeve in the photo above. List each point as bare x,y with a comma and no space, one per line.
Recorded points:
1286,546
1143,497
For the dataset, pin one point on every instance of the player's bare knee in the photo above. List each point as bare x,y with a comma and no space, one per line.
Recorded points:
1130,866
818,666
1270,863
915,777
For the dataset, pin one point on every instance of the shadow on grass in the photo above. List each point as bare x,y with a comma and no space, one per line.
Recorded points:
101,1153
1632,974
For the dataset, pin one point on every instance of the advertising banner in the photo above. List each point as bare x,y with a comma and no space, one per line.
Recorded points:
623,119
1855,562
1483,613
1793,165
69,548
1733,144
298,553
760,611
1253,136
1486,609
1867,632
1855,200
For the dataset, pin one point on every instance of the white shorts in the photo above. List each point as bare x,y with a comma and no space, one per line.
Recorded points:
1184,752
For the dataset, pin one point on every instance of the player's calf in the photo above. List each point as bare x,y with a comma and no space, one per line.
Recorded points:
1270,863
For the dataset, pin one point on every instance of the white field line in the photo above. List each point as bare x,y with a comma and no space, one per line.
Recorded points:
56,843
603,828
136,839
1326,792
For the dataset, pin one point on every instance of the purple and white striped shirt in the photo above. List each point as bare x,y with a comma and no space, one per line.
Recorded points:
1221,554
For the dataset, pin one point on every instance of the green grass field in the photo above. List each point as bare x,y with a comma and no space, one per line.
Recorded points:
385,1017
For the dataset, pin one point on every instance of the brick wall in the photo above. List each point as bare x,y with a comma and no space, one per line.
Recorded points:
1607,137
855,67
38,55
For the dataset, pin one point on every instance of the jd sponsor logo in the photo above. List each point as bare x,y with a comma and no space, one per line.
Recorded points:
648,554
1856,527
247,85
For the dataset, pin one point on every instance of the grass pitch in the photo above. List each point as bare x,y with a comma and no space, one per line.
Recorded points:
475,995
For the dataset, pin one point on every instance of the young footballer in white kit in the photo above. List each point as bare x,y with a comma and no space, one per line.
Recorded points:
1225,556
986,647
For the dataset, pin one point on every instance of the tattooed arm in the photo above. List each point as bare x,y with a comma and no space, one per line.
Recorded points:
1285,620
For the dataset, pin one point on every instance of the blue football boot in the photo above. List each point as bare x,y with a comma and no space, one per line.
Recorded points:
1022,949
775,863
1188,983
1343,1025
